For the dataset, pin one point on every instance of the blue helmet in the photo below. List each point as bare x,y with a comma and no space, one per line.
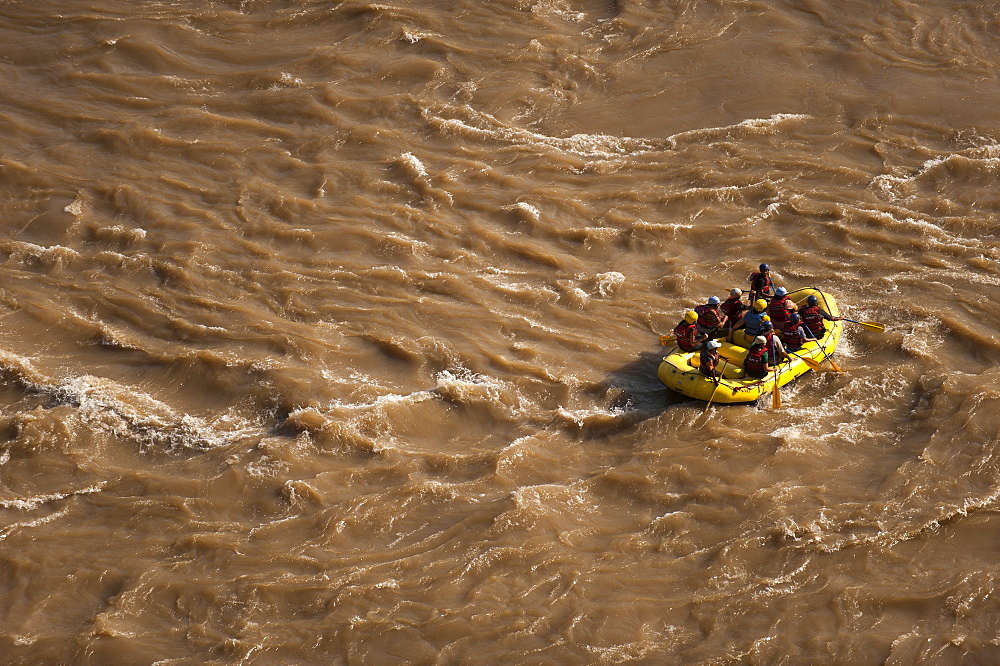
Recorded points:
812,300
780,291
794,318
714,300
763,267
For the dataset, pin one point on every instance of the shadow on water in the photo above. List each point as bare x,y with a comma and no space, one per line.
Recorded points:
632,394
635,387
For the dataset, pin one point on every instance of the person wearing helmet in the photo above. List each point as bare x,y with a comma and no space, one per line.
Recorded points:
733,308
752,321
710,318
709,359
761,285
779,306
758,361
775,347
813,316
794,334
688,338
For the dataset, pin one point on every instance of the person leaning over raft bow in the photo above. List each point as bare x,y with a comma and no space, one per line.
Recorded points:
761,285
688,337
708,361
758,362
813,315
711,321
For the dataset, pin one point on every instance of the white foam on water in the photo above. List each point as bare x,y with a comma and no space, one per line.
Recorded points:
533,323
266,467
923,226
103,403
515,452
608,283
532,292
576,295
622,653
288,79
720,189
893,185
467,386
412,35
386,400
75,208
49,253
418,171
589,417
7,530
467,121
29,503
414,165
925,338
758,125
530,211
767,213
560,8
413,243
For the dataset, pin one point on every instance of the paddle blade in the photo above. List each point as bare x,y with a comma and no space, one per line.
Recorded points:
667,340
776,393
811,363
873,325
833,365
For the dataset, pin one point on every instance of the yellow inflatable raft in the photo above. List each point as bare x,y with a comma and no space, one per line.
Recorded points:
679,369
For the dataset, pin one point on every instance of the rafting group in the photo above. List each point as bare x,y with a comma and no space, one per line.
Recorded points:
735,351
770,328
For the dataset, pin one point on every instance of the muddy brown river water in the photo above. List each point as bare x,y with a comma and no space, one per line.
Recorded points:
329,332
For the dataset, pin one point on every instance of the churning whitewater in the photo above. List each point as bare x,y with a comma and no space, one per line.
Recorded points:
329,332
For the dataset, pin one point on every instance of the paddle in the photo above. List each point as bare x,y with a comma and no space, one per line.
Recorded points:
813,365
775,397
832,364
717,382
667,339
873,325
776,394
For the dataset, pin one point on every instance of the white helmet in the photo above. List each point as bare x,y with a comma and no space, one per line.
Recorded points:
713,344
735,292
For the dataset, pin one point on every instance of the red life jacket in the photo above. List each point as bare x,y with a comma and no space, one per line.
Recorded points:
793,339
755,359
761,283
733,307
778,311
769,345
684,332
813,319
708,316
